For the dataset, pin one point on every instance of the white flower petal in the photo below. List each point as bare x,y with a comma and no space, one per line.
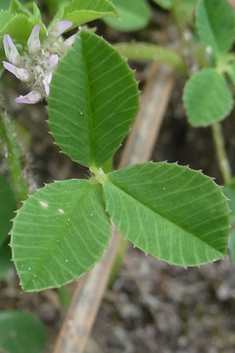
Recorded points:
68,42
46,82
11,51
21,74
53,60
59,28
30,98
33,43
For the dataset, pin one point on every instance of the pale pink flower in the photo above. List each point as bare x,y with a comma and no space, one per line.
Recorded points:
53,60
11,51
34,44
58,28
46,82
21,74
68,42
30,98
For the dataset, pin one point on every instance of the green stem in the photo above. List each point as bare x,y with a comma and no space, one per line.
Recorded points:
221,153
13,157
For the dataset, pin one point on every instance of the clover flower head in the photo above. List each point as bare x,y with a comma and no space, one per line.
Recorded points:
36,65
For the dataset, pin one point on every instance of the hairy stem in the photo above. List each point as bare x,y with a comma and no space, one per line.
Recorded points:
221,153
12,154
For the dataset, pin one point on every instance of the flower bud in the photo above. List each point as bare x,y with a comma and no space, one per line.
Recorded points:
58,28
21,74
33,43
11,51
69,42
46,82
30,98
53,60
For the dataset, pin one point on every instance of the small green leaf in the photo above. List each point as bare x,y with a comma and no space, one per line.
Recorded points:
80,11
133,15
7,208
59,233
142,51
20,332
165,4
19,28
5,17
36,12
55,5
92,106
18,8
176,214
5,4
5,258
207,98
216,25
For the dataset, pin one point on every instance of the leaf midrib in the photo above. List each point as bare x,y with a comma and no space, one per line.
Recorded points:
89,102
52,247
163,216
212,29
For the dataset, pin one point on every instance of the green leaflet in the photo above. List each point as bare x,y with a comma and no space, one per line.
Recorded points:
133,15
207,98
176,214
19,22
5,17
55,5
7,208
17,7
37,13
216,25
5,4
59,233
142,51
93,101
80,11
20,332
19,27
165,4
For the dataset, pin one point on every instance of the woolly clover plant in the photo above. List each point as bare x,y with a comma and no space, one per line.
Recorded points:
171,212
